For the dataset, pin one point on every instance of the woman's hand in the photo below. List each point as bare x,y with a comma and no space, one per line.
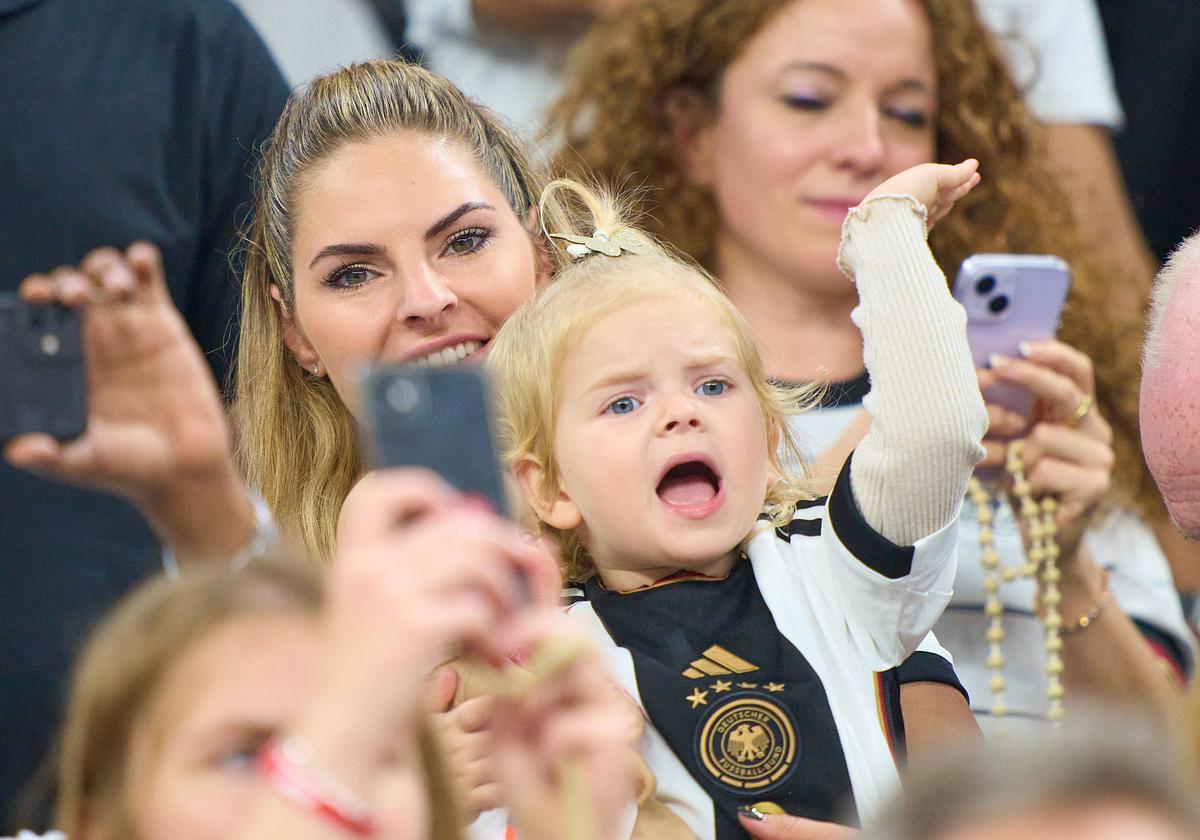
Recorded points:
566,750
156,429
1068,450
936,185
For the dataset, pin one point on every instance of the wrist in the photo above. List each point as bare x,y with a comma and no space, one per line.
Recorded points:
1082,586
206,517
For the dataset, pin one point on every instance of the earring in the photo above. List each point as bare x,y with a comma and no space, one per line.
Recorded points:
316,369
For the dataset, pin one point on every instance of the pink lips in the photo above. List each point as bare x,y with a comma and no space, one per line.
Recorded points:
833,208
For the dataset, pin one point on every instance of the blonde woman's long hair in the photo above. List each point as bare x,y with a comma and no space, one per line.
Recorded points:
611,117
528,352
296,441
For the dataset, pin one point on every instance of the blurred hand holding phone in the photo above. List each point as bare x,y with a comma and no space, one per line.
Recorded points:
42,381
1010,299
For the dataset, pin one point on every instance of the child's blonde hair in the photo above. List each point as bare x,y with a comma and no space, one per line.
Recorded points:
527,354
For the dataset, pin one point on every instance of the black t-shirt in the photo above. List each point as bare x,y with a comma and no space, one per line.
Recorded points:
122,120
1155,52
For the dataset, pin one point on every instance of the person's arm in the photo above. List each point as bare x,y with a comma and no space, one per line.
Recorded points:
909,474
1110,659
936,715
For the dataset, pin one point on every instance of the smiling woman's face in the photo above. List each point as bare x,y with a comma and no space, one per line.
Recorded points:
827,100
403,251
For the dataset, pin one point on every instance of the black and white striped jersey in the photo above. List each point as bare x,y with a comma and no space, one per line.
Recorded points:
777,684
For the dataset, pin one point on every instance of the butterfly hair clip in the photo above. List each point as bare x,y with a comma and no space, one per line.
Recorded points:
599,243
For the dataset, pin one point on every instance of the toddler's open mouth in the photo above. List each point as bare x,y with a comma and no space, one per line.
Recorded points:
691,487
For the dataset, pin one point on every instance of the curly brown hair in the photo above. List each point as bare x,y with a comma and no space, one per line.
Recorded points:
612,121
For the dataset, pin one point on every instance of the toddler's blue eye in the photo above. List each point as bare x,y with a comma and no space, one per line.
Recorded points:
623,405
712,388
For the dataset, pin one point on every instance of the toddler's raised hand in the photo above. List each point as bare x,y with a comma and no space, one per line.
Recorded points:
936,185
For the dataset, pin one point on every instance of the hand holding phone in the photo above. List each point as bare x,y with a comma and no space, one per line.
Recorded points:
1010,299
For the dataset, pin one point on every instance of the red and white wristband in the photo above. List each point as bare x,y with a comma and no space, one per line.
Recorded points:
289,766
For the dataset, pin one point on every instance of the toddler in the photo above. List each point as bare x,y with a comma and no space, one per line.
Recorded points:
757,626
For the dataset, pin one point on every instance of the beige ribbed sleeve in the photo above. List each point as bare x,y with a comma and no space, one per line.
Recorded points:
910,471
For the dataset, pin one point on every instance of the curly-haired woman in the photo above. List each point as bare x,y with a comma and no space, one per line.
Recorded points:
754,125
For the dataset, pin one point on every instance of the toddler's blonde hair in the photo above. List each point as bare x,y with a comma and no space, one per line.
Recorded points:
527,354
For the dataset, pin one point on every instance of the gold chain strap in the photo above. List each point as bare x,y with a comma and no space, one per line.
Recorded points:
1042,555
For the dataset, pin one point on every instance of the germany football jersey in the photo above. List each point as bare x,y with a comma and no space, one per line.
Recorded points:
776,686
736,701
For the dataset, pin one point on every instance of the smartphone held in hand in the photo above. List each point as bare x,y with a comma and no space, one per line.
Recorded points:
42,380
438,418
1010,299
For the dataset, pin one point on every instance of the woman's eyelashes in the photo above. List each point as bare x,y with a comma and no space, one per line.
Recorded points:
464,243
806,103
350,276
467,242
911,117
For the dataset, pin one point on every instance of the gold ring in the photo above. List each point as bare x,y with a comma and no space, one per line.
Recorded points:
1085,405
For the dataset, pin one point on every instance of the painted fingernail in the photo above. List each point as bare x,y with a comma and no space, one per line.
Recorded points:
996,360
752,813
1026,348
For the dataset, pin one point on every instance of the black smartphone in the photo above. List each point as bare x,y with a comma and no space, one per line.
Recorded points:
438,418
42,381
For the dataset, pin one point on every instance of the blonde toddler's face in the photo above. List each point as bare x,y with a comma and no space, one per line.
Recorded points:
660,440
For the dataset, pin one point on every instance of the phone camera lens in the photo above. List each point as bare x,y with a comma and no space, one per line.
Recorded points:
403,396
998,304
985,284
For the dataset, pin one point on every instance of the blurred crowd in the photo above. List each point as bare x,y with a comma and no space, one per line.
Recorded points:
782,550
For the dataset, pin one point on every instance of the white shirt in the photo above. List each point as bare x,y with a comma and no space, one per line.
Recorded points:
1058,56
312,37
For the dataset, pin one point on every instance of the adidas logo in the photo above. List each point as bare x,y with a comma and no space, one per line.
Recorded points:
717,662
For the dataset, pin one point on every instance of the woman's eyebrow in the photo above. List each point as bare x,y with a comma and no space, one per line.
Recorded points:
453,216
343,250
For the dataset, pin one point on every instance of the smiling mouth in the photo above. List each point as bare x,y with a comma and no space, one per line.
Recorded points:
447,355
692,489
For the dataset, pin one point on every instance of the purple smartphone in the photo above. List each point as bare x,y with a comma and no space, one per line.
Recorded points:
1010,298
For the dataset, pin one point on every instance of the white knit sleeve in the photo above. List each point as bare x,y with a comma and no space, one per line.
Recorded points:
910,471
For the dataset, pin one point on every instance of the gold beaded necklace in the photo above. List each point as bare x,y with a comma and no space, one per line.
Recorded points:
1042,555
